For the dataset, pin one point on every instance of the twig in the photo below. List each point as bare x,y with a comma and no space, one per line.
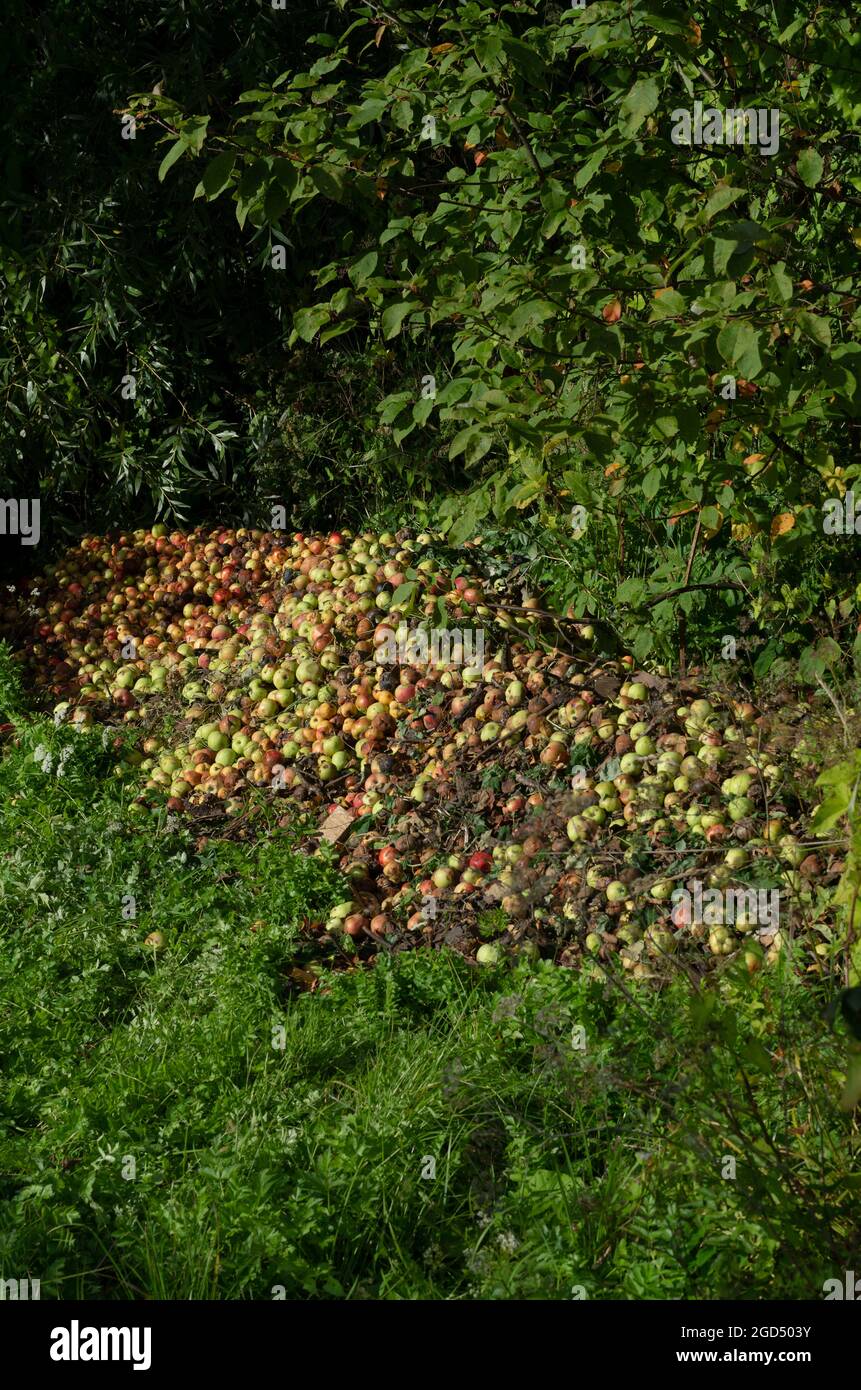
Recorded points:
840,714
683,617
705,584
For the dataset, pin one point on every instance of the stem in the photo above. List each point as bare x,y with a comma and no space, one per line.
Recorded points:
704,584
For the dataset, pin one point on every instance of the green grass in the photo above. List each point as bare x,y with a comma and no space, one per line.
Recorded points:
191,1124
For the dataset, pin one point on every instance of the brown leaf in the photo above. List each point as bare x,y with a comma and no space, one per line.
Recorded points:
781,524
612,312
606,686
336,825
304,977
650,681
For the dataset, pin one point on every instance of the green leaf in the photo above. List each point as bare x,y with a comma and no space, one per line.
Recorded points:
524,58
814,327
722,196
393,316
588,170
478,448
642,644
765,660
472,442
828,814
579,487
393,405
402,115
529,315
631,591
194,132
735,241
638,104
177,148
216,176
523,493
810,166
461,441
475,507
666,425
361,272
844,772
780,284
738,345
488,50
275,201
403,594
668,304
651,483
335,330
254,175
320,95
815,661
329,179
756,1056
308,321
370,110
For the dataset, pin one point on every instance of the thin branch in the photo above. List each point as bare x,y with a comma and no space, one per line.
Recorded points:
705,584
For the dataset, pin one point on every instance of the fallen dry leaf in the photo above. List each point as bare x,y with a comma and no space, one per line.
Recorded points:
336,825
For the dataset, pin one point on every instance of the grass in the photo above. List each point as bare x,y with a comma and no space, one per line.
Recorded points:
194,1123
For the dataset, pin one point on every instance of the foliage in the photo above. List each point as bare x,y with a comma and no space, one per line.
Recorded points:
839,806
138,328
186,1120
663,334
317,447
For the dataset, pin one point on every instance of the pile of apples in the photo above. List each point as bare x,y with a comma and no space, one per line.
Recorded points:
257,650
